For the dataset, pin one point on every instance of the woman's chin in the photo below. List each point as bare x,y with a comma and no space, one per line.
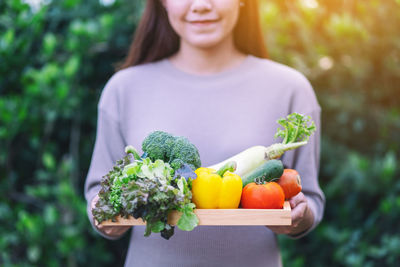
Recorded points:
204,42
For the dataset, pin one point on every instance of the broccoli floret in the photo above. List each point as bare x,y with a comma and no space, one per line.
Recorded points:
175,150
185,151
158,145
177,164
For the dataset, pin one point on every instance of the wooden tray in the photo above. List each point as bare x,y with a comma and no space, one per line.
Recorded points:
224,217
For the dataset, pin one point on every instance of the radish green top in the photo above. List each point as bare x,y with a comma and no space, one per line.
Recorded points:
296,128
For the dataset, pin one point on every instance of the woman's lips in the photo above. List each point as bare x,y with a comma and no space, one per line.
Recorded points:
203,23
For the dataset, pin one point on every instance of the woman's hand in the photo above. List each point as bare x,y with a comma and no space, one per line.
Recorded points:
111,231
302,217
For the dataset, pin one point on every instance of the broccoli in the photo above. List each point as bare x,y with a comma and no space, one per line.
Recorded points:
176,150
185,151
158,145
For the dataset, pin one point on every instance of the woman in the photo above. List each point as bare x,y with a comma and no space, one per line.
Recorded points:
198,68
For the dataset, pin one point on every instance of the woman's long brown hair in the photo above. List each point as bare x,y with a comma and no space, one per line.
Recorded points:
155,39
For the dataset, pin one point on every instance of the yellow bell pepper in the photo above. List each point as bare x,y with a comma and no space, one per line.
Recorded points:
220,189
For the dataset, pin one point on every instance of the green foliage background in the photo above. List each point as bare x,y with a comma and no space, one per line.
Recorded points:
56,57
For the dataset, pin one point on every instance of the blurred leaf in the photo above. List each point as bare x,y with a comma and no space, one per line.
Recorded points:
49,44
71,67
48,161
7,39
389,166
50,215
34,253
71,3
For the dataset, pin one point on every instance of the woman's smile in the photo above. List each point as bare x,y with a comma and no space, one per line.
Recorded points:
204,23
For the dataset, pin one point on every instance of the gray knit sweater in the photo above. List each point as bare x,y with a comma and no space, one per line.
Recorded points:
222,114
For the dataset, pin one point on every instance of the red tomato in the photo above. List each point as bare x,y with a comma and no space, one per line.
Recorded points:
262,196
290,183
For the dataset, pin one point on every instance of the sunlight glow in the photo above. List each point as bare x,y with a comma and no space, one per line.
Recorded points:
309,3
325,63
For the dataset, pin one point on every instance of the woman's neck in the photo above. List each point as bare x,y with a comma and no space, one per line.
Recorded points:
202,61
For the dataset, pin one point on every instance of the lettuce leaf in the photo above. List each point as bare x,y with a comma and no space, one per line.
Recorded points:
148,190
188,221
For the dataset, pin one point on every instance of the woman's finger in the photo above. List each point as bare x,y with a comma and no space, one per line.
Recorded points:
298,213
294,201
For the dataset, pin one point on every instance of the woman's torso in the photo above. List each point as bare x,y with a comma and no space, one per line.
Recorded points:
222,115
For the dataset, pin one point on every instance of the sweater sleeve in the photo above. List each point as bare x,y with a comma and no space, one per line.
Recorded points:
108,148
306,159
